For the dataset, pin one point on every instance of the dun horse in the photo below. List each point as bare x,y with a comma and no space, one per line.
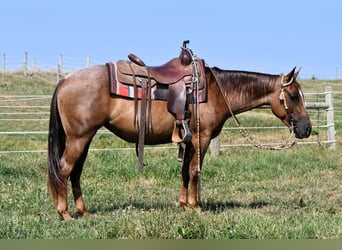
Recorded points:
82,104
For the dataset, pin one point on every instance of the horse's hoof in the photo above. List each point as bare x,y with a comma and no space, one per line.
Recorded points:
198,209
186,207
66,216
86,214
183,205
83,212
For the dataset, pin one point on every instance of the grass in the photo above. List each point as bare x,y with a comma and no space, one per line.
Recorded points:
247,193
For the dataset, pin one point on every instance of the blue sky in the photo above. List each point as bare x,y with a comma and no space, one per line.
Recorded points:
267,36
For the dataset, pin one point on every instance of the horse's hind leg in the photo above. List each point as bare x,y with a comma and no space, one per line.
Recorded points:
75,177
73,156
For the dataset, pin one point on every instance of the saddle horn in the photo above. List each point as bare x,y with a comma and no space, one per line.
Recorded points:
186,54
185,42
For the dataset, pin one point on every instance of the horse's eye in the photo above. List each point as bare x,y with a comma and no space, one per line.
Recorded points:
294,96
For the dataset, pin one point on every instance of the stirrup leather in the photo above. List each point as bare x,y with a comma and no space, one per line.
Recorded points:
181,132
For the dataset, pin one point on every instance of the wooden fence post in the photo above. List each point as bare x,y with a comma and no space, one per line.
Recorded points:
336,73
59,68
33,65
215,146
330,117
3,63
88,61
25,64
60,63
58,73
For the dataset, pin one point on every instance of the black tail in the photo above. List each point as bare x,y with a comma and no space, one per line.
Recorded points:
56,145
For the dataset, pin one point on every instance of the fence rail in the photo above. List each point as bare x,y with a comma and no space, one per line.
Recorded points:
15,109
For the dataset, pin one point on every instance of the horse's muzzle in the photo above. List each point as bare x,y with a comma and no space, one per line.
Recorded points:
302,129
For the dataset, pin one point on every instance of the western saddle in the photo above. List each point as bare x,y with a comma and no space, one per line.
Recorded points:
180,76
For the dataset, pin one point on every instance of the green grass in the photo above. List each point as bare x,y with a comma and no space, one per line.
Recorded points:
247,193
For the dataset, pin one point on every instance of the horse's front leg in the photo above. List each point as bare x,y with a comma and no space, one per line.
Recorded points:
194,195
183,195
190,194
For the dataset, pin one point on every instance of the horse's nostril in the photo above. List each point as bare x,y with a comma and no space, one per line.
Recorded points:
308,131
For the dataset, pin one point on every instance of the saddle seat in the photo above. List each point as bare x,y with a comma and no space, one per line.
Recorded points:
171,71
168,73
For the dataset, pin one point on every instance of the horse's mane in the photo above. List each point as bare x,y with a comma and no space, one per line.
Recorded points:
244,81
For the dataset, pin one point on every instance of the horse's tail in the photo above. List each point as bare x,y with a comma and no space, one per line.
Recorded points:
56,146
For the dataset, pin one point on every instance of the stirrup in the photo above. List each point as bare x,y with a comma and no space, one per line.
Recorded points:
181,132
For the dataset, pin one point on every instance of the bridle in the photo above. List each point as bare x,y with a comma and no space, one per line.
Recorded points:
245,133
282,95
282,98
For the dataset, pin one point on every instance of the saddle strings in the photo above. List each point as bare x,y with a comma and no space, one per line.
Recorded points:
245,133
195,81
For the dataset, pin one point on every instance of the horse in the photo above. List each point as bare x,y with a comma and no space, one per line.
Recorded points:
81,104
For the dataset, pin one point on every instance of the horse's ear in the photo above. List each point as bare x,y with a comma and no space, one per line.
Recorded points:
295,75
291,75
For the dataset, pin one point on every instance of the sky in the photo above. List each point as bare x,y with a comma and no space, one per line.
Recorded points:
265,35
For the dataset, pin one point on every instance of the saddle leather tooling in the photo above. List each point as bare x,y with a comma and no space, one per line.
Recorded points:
175,82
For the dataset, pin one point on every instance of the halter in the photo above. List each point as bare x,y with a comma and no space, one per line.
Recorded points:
282,98
245,133
282,95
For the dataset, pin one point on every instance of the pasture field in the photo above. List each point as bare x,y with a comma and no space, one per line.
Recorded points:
247,193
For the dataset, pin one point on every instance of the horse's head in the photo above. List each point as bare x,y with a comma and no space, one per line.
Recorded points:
288,105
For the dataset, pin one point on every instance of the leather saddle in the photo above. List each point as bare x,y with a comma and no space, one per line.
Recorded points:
180,77
177,75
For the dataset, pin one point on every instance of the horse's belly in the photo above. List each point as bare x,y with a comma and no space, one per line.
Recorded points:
122,122
153,137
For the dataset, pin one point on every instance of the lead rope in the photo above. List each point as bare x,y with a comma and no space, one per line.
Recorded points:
245,133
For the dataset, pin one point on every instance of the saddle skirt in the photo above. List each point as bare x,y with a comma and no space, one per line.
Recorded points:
124,75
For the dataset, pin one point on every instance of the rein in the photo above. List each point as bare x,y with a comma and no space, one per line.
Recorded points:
245,133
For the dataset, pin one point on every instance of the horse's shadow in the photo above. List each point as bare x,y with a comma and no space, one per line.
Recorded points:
218,207
207,206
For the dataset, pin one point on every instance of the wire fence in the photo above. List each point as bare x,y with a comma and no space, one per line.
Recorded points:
29,66
62,64
27,116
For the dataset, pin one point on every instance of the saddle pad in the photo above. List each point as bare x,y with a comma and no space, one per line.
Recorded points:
158,91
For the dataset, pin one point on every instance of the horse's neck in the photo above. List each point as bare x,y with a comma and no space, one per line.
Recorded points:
251,94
